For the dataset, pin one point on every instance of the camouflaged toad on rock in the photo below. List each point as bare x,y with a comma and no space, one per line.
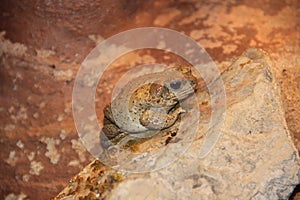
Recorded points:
147,105
254,157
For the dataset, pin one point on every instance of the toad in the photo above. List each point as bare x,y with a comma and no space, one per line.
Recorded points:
147,105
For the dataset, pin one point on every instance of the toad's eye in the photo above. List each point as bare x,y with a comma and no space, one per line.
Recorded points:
175,85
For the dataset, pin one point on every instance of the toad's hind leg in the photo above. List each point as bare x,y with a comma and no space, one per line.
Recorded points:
158,121
110,134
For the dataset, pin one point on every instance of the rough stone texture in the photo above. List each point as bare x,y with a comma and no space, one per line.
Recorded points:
38,84
61,26
254,157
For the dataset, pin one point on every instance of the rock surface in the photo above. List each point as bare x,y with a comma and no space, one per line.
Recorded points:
44,43
254,157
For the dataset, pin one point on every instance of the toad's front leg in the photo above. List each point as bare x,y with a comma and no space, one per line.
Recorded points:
112,135
157,120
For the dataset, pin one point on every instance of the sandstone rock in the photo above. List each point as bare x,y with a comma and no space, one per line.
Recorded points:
254,157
